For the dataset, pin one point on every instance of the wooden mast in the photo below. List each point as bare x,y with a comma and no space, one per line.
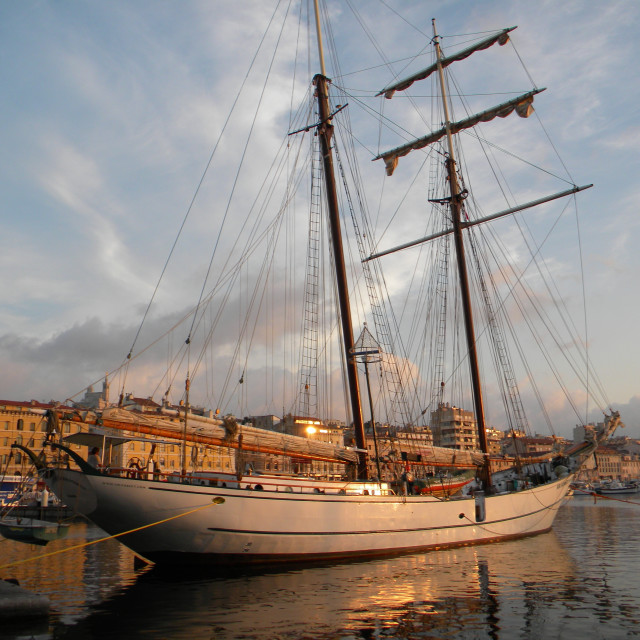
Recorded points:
325,133
456,215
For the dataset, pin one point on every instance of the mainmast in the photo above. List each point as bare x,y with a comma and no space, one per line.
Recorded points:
325,133
456,217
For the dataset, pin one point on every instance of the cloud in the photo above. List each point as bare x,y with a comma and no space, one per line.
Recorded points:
114,115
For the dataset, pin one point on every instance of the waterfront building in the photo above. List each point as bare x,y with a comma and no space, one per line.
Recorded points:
454,428
405,444
495,438
582,432
608,462
25,423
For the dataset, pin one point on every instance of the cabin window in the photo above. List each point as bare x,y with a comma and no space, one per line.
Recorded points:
67,427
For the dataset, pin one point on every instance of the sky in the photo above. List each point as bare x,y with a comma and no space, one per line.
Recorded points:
109,113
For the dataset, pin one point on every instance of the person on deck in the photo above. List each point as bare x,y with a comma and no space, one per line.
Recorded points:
94,458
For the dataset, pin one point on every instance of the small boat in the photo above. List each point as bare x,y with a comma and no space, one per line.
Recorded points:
617,488
31,530
26,494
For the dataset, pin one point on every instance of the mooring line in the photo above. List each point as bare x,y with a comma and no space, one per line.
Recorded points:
215,501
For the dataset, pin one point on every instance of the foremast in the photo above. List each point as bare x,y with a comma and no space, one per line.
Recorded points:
325,134
456,198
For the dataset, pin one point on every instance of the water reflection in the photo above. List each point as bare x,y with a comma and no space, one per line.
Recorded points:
579,579
607,541
453,593
73,580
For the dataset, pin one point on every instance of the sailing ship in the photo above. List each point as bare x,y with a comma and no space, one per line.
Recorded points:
250,517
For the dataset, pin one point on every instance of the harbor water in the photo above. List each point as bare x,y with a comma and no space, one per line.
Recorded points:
580,580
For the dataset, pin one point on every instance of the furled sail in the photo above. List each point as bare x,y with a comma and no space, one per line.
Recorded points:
522,105
501,38
444,457
227,432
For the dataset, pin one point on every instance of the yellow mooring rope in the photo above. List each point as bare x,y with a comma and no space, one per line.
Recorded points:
215,501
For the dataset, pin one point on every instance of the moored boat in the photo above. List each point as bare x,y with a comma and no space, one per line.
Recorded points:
616,487
32,530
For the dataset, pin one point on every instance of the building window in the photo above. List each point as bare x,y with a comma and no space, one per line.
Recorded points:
67,427
20,425
32,426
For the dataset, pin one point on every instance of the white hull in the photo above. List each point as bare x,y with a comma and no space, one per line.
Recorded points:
275,526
